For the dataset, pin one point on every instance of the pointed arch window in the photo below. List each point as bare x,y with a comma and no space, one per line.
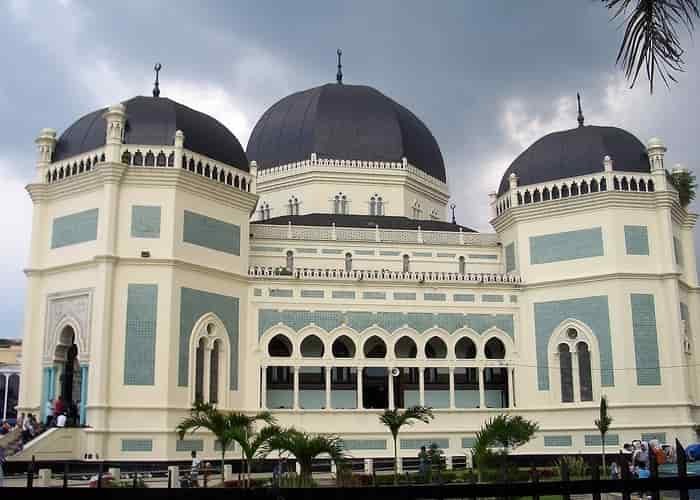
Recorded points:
584,372
406,263
348,262
340,204
214,373
264,211
462,266
199,372
565,374
293,206
372,206
290,261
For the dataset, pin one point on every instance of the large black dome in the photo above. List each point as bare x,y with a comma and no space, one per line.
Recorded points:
343,122
154,121
574,152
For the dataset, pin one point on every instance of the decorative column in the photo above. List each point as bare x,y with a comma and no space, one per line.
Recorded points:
295,405
656,151
493,199
452,387
360,402
253,169
513,185
45,144
482,389
327,373
421,386
115,116
179,148
391,389
83,393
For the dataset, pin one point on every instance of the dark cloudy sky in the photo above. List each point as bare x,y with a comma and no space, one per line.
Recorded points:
488,78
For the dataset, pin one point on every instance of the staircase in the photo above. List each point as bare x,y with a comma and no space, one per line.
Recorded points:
62,443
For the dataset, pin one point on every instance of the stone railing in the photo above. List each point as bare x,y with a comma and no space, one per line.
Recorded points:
315,233
382,275
575,187
76,165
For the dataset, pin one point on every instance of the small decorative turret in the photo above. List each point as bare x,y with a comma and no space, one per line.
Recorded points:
656,151
607,163
253,168
179,143
45,144
513,188
115,116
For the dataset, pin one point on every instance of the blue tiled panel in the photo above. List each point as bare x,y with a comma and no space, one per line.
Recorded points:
140,348
464,297
594,440
74,228
446,255
331,251
389,321
483,256
145,221
636,240
510,257
492,298
678,251
569,245
404,296
189,445
266,249
365,444
211,233
468,442
306,250
594,312
312,294
438,297
415,444
137,445
374,295
389,253
422,254
646,348
342,294
650,436
281,292
193,305
563,441
364,252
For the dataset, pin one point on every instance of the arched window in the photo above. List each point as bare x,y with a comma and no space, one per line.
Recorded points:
465,348
406,263
574,189
528,197
126,158
343,204
161,160
642,185
536,196
348,262
584,187
462,266
565,191
624,185
171,160
495,349
375,348
264,211
280,347
436,348
380,206
343,347
150,159
555,193
650,186
199,372
584,371
603,184
565,374
594,186
616,184
336,204
312,347
633,184
520,199
545,194
138,158
214,373
290,261
417,210
372,206
405,348
293,206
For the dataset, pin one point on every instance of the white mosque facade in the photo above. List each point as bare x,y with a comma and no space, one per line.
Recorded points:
317,274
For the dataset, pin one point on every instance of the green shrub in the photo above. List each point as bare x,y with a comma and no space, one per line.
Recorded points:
577,466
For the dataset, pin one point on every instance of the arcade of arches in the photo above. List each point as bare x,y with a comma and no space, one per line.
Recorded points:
472,382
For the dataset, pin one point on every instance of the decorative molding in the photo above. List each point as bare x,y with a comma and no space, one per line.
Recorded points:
71,308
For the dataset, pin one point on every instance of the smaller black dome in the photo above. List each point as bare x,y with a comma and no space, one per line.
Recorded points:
154,121
579,151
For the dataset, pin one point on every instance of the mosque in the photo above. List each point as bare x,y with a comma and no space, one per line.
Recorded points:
319,274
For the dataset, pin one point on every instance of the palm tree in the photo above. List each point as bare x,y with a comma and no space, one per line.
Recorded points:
651,36
395,419
686,185
253,445
222,424
506,432
305,447
603,425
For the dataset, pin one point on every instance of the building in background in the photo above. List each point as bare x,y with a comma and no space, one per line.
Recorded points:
318,275
10,359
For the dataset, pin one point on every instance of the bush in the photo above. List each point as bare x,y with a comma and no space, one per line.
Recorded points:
578,468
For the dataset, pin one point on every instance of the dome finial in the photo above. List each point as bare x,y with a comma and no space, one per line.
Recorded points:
156,89
452,207
580,113
339,76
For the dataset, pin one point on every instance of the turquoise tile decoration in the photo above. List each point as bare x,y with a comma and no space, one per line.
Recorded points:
422,254
404,296
193,305
74,228
365,444
415,444
389,253
464,297
189,445
562,441
364,252
374,295
266,249
281,292
594,312
650,436
569,245
468,442
446,255
389,321
137,445
492,298
595,440
140,348
306,250
312,294
436,297
678,251
636,240
510,257
331,251
342,294
646,348
483,256
145,221
211,233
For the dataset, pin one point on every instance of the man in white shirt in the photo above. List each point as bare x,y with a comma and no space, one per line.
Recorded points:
61,420
194,471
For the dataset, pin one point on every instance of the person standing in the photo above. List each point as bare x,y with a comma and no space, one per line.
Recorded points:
423,463
614,471
194,470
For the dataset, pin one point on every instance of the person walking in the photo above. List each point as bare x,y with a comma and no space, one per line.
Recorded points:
614,471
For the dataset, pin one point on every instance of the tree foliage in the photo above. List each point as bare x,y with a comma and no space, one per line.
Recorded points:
395,419
651,36
686,184
603,423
